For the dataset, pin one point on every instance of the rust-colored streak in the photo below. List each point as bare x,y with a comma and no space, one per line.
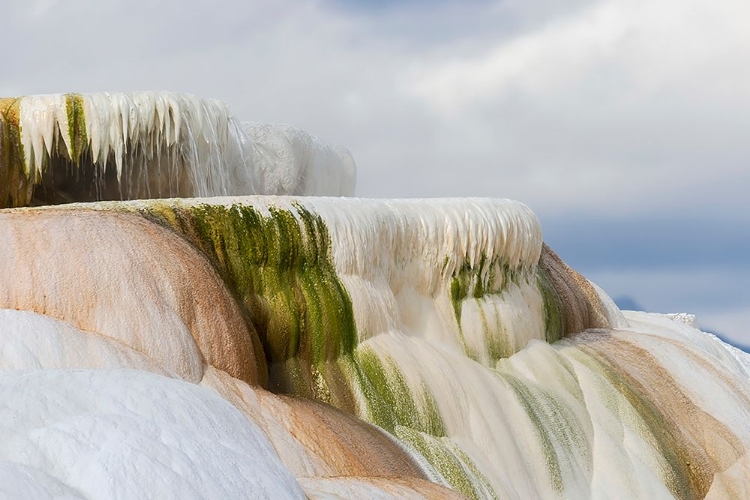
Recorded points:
349,445
695,444
578,300
126,278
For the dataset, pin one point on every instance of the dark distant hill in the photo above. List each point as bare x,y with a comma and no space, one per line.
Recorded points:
627,303
742,347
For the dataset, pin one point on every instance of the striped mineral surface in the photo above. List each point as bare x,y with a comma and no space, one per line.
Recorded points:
486,364
301,347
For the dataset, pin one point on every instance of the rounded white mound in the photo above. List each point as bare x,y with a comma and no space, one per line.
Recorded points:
289,161
112,434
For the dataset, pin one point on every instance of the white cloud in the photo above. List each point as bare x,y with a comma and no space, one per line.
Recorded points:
610,107
543,61
627,105
624,105
648,44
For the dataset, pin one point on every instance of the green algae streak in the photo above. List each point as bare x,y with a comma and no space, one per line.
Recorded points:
278,266
16,188
17,179
476,282
454,467
675,472
414,418
76,126
554,424
392,403
554,311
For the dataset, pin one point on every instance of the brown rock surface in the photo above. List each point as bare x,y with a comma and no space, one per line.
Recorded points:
121,276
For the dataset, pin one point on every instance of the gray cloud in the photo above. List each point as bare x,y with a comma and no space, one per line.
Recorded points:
622,123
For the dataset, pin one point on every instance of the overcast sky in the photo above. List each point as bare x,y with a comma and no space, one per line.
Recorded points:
624,124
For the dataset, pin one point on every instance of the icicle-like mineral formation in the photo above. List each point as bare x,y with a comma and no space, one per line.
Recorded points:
85,147
447,323
301,347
